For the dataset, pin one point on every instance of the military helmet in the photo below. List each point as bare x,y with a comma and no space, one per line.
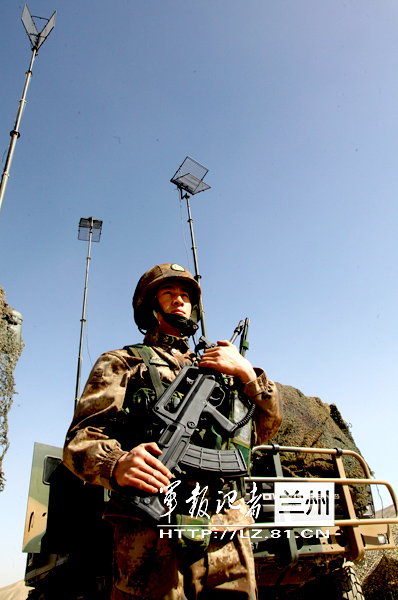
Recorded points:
145,292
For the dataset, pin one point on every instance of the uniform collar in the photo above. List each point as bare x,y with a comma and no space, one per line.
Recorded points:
166,341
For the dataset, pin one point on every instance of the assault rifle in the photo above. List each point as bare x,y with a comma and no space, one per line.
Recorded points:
192,397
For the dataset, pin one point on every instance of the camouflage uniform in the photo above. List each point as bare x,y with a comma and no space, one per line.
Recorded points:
147,566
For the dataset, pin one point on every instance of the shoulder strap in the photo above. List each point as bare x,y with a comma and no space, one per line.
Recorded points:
142,351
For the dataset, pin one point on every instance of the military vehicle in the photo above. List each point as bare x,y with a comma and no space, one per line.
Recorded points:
69,545
312,561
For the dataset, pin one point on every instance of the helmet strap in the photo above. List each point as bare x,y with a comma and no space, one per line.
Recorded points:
186,326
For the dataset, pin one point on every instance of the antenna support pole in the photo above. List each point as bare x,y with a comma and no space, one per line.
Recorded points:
195,260
15,132
36,40
83,319
93,234
189,177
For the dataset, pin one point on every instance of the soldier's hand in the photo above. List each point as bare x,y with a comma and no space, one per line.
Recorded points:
225,358
139,468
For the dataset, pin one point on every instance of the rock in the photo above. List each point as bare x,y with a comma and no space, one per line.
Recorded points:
378,572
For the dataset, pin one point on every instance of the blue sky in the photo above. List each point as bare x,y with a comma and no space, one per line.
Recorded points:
292,105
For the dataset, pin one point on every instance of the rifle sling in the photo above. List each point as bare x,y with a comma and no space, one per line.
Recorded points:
146,354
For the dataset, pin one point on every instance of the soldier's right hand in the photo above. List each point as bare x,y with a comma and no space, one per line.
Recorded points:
139,468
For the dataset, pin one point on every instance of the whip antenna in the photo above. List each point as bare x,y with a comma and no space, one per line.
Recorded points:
189,179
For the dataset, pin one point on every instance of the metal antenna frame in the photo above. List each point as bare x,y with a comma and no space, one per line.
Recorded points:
91,225
185,180
36,40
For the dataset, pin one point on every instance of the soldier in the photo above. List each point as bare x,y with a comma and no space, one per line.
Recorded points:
111,442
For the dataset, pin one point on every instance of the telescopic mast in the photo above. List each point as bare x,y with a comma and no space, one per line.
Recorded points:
189,179
36,40
89,231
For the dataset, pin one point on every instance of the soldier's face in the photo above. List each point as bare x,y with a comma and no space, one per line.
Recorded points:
174,299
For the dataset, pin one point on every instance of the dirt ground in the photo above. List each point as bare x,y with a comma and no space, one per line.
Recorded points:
15,591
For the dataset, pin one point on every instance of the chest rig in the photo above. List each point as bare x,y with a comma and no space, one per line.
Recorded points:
140,418
137,409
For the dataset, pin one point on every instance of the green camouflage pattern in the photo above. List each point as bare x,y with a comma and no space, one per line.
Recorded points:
37,510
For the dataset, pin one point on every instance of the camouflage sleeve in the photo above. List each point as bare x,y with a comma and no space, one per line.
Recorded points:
89,452
268,416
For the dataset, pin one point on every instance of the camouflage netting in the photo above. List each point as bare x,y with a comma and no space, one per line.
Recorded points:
309,422
10,351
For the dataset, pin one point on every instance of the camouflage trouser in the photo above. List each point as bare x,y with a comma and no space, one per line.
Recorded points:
148,567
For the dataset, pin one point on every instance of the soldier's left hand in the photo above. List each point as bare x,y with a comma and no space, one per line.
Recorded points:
225,358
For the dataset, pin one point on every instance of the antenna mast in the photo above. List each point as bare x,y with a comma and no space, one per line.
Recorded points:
36,40
189,177
89,231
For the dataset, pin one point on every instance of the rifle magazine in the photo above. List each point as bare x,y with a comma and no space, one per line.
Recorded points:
224,463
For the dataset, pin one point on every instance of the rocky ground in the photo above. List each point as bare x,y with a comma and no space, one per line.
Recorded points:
378,572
